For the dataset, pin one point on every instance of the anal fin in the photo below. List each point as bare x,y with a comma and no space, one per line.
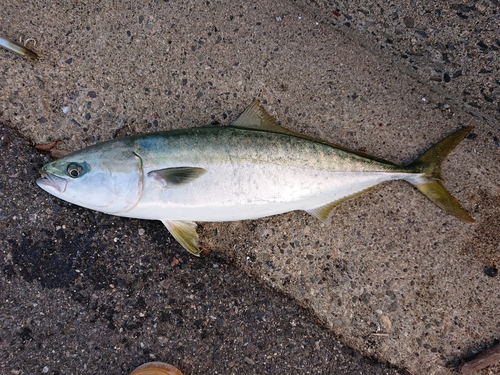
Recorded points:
324,212
185,233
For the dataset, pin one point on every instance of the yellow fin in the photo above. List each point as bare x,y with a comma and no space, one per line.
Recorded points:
256,117
324,213
185,233
437,193
429,163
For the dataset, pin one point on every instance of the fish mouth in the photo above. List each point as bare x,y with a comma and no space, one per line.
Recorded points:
49,180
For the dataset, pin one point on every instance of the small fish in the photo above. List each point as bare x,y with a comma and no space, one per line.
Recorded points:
248,170
18,48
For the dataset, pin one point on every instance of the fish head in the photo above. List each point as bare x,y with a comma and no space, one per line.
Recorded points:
106,180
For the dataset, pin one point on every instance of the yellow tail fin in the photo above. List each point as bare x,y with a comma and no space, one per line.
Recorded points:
429,163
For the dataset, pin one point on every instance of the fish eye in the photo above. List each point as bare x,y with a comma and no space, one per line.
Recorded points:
74,170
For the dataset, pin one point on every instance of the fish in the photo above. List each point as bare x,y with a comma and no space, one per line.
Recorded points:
251,169
15,47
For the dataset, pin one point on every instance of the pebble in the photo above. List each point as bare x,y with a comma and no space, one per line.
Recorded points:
386,322
249,361
491,271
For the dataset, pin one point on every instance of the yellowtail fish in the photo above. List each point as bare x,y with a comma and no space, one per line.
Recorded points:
248,170
18,48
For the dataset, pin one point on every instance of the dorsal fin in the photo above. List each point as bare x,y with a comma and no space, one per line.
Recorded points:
256,117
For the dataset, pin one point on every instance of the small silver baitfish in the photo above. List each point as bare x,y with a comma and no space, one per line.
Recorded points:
18,48
250,169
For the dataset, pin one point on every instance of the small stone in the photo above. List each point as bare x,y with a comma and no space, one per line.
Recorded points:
422,33
409,22
365,297
463,8
141,231
491,271
386,322
481,7
162,340
249,361
482,45
174,262
92,94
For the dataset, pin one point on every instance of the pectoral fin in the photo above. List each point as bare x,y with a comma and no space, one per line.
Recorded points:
178,176
185,233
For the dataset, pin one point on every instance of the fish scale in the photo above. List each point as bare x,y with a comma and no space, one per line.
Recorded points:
230,144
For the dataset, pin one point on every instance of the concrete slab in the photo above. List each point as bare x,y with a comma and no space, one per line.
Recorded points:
393,276
451,47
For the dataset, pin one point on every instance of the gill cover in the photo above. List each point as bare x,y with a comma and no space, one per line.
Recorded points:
109,182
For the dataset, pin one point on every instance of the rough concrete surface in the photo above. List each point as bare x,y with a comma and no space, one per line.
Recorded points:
393,276
452,46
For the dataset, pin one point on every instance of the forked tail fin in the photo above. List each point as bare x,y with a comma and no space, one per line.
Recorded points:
429,163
